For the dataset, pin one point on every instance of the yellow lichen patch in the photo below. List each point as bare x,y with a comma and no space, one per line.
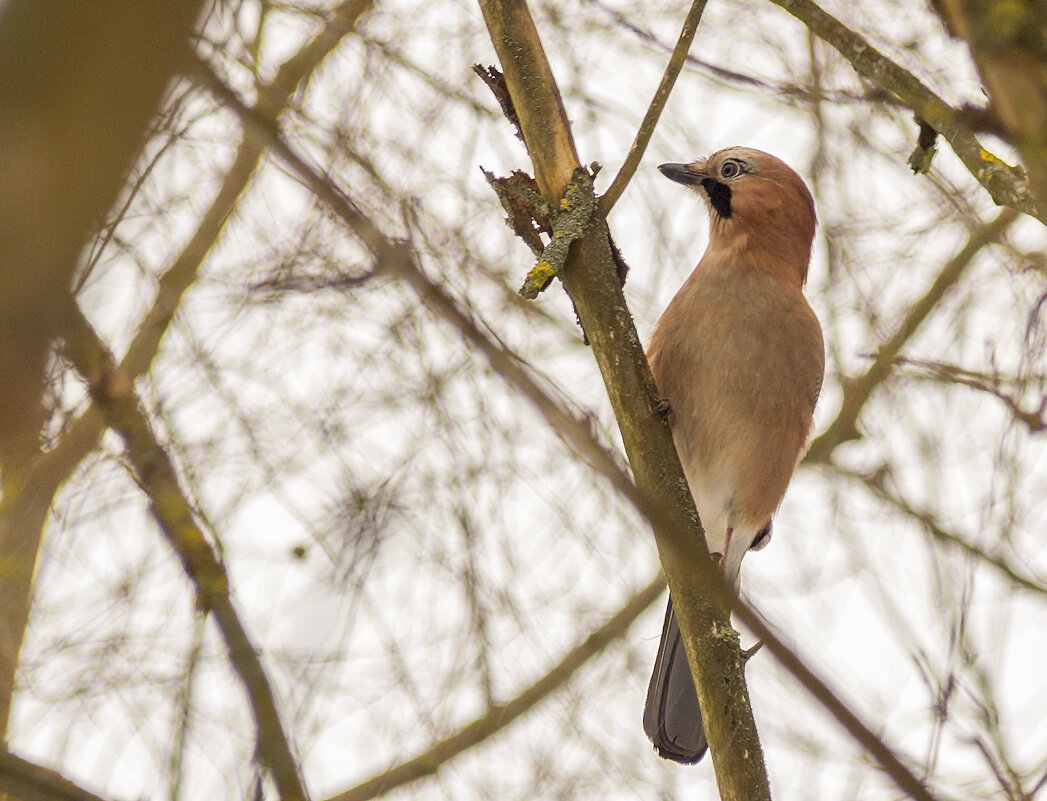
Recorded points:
991,158
537,279
542,273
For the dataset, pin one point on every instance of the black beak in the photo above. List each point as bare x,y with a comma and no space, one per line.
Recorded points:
691,175
684,174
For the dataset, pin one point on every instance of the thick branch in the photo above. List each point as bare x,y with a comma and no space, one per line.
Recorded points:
1009,44
20,778
591,281
25,508
1006,185
79,83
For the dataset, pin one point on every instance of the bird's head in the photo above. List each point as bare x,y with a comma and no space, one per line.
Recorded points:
759,208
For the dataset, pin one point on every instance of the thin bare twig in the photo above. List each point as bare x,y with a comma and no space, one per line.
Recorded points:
876,483
654,111
1035,421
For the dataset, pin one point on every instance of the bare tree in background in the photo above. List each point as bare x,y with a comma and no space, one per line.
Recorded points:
301,499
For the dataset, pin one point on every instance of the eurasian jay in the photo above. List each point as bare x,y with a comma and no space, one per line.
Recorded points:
738,355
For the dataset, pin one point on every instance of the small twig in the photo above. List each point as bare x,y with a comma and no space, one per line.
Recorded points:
922,155
1036,421
749,653
492,76
304,283
876,482
654,111
527,213
569,222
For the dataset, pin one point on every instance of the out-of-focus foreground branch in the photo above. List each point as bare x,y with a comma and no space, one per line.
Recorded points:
24,509
79,84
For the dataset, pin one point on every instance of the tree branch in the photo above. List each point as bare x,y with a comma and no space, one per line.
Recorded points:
25,508
858,391
876,483
1035,421
591,281
79,84
654,111
114,393
20,778
498,717
1007,185
1009,45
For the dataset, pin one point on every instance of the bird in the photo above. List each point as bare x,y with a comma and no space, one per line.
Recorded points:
738,359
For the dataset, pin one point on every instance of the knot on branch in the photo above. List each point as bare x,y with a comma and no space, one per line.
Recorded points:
529,215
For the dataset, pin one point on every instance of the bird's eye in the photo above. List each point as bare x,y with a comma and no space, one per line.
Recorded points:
731,169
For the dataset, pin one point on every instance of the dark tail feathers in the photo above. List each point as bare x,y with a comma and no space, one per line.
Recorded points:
671,717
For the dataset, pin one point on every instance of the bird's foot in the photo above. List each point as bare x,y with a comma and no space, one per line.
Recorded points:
663,408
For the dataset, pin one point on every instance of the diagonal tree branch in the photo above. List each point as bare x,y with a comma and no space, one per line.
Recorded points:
876,483
396,258
114,393
78,86
1007,186
858,391
20,778
499,717
591,281
25,509
654,111
1034,420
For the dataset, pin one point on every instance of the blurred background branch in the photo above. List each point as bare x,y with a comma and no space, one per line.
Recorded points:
366,449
